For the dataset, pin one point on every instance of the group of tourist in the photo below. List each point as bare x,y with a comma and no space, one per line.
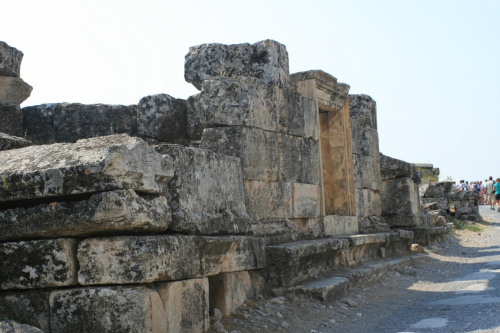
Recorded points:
489,192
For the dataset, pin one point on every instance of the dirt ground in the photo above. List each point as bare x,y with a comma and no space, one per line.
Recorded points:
367,306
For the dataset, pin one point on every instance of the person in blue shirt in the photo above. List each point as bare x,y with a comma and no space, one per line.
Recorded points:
496,186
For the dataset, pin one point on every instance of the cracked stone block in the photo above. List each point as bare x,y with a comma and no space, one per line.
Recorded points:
38,264
364,141
228,291
10,60
367,172
242,101
266,60
298,114
299,159
257,149
13,327
137,259
305,201
29,307
268,200
394,168
87,166
8,142
363,110
162,117
400,202
104,213
187,305
368,203
207,193
13,90
11,119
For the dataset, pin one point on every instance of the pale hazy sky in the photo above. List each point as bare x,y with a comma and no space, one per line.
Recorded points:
431,65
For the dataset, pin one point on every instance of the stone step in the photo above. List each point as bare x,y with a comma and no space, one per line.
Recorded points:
424,235
8,142
290,263
334,287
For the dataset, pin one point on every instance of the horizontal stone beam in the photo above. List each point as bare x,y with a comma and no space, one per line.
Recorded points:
87,166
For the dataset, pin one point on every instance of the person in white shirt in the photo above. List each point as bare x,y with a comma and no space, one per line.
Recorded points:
491,192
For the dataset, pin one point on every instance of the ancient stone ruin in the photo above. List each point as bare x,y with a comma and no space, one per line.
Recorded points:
152,217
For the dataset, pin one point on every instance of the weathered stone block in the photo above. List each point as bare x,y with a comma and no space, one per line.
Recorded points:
299,159
107,309
257,149
186,305
394,168
309,227
27,307
207,193
8,142
228,291
435,190
266,60
224,254
162,117
367,172
104,213
268,200
38,122
90,165
13,90
11,119
13,327
10,60
336,225
38,264
466,205
400,202
372,224
368,203
305,200
137,259
298,114
363,109
233,102
364,141
428,172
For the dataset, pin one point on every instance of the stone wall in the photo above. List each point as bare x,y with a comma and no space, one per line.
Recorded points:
428,172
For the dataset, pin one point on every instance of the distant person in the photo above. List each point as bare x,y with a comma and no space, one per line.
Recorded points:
497,192
463,186
490,191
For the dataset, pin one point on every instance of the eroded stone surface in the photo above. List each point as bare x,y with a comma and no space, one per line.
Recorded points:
400,202
13,90
11,119
268,200
162,117
367,172
298,114
394,168
336,225
8,142
38,264
104,213
207,193
13,327
368,203
299,159
27,307
305,200
266,60
10,60
363,110
242,101
228,291
257,149
90,165
466,205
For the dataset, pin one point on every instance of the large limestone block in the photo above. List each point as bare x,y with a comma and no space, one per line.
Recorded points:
137,259
466,205
336,225
13,327
268,200
13,90
207,193
266,60
38,264
241,101
223,254
400,202
11,119
367,172
299,159
305,201
228,291
8,142
363,109
257,149
162,117
87,166
186,305
298,114
368,203
10,60
104,213
436,190
364,141
27,307
394,168
107,309
69,122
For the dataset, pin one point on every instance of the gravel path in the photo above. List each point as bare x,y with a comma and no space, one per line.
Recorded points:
455,288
